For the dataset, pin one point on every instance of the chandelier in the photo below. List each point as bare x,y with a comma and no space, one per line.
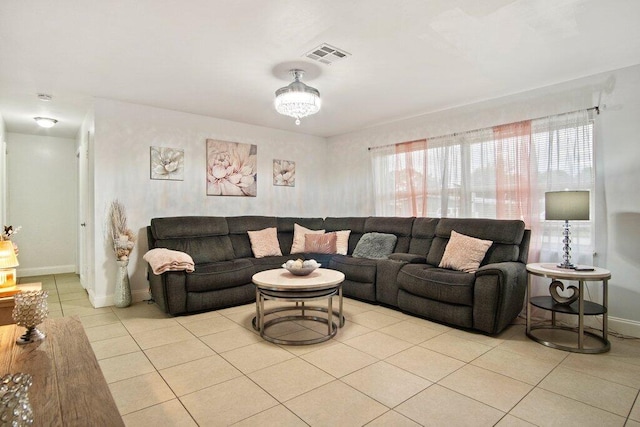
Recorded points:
297,100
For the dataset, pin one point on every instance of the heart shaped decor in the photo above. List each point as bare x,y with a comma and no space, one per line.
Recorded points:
553,290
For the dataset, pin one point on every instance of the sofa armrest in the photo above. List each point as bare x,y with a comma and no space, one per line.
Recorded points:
169,291
408,258
505,269
499,292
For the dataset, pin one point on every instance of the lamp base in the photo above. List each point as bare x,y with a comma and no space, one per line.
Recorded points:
32,334
567,265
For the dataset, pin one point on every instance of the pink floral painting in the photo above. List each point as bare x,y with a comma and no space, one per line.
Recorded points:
284,173
231,168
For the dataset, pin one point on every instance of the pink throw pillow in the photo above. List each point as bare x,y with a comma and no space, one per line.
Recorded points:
342,241
298,238
265,242
320,243
464,253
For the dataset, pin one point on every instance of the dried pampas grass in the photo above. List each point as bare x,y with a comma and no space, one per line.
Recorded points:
122,238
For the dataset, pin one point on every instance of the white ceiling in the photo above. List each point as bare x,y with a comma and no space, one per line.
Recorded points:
226,58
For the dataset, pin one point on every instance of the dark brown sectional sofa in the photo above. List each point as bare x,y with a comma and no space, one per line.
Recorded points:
409,280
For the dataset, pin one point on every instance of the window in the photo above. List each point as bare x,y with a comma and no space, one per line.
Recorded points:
501,172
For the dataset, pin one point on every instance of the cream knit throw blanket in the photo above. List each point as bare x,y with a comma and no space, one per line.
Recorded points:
162,259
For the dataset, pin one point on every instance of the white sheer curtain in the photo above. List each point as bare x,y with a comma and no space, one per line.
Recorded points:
501,172
564,159
383,165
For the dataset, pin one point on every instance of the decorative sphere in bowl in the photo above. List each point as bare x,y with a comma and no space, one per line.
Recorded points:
299,267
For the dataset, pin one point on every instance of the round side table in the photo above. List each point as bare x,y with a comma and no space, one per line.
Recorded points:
579,308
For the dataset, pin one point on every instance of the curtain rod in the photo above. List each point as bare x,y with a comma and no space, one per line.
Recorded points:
595,108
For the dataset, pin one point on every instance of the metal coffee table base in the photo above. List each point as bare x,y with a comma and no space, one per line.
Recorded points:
300,298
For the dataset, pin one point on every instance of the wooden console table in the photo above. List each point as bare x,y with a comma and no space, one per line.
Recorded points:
68,388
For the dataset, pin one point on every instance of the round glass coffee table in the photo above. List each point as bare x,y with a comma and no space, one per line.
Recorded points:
280,285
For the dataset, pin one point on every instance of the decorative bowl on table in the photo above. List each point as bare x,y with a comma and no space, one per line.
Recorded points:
299,267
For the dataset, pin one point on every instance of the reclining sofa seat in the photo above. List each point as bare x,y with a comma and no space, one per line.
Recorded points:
487,300
409,280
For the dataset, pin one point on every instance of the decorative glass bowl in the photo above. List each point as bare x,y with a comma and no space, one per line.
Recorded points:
15,408
301,268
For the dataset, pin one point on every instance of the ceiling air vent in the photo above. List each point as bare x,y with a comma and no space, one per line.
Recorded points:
327,54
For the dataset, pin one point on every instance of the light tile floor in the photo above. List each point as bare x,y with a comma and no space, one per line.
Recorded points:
384,368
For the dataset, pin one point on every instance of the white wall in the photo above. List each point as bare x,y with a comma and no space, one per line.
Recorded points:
617,171
123,134
3,173
42,186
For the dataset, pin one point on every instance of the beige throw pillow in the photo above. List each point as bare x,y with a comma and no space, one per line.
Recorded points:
320,243
342,241
265,242
298,238
464,253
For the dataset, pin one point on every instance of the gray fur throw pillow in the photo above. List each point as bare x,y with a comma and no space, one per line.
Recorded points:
375,246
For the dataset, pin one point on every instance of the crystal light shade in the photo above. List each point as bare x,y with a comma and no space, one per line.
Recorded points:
297,100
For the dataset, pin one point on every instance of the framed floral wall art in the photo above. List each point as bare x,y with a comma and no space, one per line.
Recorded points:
284,173
167,163
231,168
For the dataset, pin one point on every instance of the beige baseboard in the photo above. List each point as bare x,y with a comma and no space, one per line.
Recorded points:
43,271
625,327
107,301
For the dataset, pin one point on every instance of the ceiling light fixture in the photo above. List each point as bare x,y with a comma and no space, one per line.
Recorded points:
45,122
297,100
44,97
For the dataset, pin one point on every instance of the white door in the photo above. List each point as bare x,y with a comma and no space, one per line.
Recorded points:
83,200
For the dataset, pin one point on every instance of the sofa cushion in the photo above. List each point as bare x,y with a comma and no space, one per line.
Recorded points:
362,270
264,242
464,253
201,249
375,246
422,234
506,236
286,230
205,239
219,275
399,226
270,262
299,233
320,243
438,284
183,227
354,224
238,227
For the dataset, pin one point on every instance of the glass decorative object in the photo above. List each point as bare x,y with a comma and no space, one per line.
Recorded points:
15,409
122,295
30,310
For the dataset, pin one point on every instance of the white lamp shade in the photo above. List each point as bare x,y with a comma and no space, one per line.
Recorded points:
566,205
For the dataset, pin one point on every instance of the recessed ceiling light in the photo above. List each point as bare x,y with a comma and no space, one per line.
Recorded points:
45,122
44,97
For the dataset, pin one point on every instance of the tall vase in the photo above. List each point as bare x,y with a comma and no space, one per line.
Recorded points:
122,296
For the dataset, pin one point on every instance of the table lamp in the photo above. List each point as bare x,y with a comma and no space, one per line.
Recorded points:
8,264
566,206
